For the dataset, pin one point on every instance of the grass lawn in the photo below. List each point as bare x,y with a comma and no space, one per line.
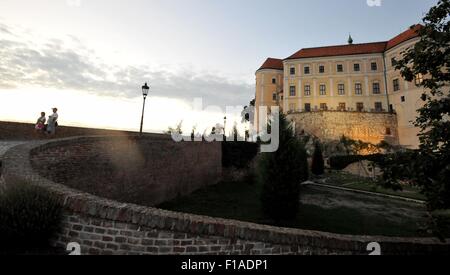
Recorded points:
321,209
350,181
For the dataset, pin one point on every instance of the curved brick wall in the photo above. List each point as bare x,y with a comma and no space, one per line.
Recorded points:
104,226
145,171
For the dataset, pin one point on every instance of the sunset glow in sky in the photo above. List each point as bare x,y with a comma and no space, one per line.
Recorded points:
89,58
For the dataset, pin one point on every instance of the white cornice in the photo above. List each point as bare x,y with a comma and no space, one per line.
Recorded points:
280,71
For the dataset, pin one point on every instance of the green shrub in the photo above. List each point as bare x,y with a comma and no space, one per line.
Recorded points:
238,154
318,163
418,169
280,173
341,162
441,221
29,217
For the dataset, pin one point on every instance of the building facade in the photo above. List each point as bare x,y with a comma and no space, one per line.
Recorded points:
351,89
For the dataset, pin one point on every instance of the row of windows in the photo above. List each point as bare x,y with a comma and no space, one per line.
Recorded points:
341,89
341,107
339,68
358,87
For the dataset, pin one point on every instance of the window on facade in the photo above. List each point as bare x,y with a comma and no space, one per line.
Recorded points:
393,62
307,70
307,90
292,91
403,98
323,107
356,67
292,71
274,97
274,81
359,106
378,106
376,88
342,107
418,79
374,66
388,131
358,89
340,68
307,107
321,69
341,89
323,89
396,83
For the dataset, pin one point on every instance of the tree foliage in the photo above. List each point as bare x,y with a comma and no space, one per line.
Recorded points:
430,59
248,112
281,173
176,130
318,163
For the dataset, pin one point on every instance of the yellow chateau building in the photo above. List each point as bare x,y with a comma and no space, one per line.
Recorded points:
351,90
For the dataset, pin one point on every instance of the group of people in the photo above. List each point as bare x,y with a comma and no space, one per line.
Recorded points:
52,123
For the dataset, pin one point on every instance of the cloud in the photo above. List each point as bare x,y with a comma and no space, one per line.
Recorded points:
58,64
73,3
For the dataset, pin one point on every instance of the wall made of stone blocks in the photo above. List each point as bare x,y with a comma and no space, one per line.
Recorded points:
364,126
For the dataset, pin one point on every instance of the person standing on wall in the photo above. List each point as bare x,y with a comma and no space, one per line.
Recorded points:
40,123
52,122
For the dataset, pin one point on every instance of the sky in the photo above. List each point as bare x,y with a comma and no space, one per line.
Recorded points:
89,58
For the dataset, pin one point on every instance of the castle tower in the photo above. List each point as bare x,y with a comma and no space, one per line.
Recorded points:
269,84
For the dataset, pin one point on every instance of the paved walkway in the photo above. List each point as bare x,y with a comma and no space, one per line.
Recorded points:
6,145
363,192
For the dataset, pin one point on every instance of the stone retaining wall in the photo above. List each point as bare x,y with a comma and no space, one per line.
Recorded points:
331,125
104,226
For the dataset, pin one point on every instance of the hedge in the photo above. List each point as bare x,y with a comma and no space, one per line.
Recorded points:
238,154
441,220
341,162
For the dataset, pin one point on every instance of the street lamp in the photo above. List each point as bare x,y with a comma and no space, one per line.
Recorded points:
145,90
224,126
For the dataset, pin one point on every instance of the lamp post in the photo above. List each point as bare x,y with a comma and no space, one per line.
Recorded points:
145,90
225,127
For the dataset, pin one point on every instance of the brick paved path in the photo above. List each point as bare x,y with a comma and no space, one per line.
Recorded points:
6,145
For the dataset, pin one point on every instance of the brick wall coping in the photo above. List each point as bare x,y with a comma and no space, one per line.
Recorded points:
17,166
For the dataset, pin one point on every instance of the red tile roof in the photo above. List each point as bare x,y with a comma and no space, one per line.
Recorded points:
272,63
353,49
411,33
366,48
